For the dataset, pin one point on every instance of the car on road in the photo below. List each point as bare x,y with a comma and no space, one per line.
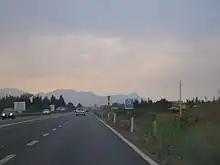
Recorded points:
46,112
8,113
80,112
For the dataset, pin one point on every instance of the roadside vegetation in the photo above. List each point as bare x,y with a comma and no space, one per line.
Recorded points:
192,139
37,105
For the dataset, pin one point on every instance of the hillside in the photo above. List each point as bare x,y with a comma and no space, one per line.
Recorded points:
85,98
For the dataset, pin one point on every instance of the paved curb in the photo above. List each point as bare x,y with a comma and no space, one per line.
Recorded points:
137,150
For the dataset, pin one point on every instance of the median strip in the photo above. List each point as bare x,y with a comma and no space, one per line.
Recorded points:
32,143
6,159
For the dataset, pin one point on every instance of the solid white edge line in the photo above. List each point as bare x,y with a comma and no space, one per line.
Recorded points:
137,150
32,143
7,158
46,134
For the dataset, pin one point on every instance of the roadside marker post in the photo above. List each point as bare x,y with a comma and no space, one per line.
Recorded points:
102,115
114,118
132,124
108,116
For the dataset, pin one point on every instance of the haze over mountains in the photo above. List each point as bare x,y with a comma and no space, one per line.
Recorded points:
85,98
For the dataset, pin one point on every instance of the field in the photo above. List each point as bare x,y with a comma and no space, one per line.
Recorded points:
193,139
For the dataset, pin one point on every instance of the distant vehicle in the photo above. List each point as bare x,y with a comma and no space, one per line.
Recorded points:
8,113
80,112
46,112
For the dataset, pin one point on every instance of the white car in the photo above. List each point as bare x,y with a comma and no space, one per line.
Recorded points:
46,112
80,112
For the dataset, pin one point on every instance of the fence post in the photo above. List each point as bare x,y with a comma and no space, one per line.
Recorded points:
132,124
114,118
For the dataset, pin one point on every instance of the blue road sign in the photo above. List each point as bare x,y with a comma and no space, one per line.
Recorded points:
129,104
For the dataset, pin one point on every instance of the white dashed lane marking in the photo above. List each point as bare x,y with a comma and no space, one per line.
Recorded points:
32,143
6,159
54,129
46,134
65,122
60,126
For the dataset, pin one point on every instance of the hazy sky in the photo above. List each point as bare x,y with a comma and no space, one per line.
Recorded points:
117,46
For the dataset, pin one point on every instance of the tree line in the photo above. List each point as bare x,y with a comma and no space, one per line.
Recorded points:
164,104
36,104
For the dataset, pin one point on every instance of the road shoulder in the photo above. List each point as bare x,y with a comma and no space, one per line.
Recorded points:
135,148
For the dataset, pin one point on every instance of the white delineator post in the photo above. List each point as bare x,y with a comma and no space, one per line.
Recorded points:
132,124
114,118
108,116
154,123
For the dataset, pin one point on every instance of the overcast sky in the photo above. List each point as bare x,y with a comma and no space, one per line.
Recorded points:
108,47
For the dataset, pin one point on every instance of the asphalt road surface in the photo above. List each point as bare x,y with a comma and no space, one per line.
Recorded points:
64,139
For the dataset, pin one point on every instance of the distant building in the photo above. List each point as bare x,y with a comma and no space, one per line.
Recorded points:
114,108
19,106
176,106
61,109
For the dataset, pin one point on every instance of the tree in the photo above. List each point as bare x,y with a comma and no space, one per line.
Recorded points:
61,102
46,103
54,101
79,105
136,103
70,106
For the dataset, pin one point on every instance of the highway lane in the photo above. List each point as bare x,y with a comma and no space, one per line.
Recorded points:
13,138
77,141
20,119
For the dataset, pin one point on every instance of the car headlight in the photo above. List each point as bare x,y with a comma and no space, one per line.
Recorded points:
11,114
3,114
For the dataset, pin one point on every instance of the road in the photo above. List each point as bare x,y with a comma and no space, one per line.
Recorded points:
63,139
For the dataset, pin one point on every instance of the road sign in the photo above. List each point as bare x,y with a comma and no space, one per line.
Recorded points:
129,104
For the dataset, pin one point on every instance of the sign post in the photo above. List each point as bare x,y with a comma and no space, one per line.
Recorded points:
108,98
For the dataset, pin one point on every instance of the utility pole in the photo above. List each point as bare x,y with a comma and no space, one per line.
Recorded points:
218,95
180,101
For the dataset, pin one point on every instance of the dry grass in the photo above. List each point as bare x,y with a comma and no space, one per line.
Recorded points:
176,141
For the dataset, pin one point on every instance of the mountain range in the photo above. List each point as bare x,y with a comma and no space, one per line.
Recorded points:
85,98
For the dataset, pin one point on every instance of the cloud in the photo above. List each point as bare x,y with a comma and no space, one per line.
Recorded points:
84,61
111,46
